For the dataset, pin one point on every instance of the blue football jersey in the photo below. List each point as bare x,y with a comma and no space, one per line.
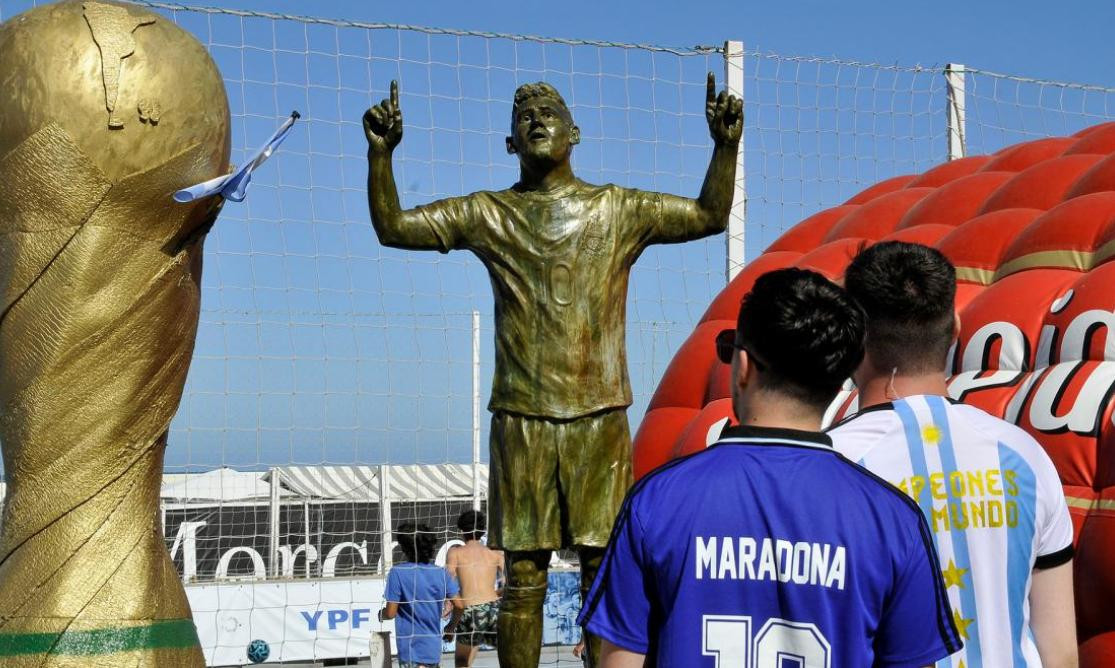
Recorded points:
768,550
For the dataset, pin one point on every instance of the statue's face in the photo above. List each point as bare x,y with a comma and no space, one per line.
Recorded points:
542,131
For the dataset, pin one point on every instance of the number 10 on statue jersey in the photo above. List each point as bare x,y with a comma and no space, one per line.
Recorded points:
732,643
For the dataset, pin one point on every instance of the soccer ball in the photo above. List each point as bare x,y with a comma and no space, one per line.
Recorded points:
258,651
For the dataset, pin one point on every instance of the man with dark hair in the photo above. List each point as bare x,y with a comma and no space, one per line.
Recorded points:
908,291
416,593
559,252
990,492
769,548
478,568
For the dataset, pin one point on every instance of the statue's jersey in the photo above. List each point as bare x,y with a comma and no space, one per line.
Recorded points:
559,265
993,501
770,549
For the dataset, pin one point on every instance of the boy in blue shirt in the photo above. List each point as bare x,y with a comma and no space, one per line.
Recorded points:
416,594
770,549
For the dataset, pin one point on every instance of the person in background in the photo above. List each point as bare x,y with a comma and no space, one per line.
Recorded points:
416,592
478,568
990,492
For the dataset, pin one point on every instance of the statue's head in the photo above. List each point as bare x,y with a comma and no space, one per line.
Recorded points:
542,129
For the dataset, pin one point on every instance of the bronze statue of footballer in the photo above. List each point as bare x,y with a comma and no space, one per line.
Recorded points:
559,252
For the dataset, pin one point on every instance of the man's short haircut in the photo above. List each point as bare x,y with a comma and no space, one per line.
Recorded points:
472,523
537,89
803,333
909,294
417,541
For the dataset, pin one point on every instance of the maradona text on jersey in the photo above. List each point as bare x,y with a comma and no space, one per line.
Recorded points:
748,558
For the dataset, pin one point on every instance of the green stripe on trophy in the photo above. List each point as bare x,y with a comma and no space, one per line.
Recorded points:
162,634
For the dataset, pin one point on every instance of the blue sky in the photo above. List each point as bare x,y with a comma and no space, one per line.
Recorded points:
1066,41
317,345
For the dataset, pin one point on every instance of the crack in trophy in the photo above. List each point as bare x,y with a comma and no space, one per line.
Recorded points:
110,109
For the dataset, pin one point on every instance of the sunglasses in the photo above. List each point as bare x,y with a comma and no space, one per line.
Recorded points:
728,342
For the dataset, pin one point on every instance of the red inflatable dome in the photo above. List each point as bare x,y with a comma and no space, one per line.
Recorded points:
1031,230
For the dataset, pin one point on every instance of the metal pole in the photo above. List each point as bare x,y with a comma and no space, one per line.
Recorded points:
954,78
385,514
733,76
306,552
476,410
273,546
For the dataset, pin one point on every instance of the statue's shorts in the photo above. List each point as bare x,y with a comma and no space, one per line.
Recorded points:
557,483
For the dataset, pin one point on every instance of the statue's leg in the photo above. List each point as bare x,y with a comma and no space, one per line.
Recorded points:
595,473
525,522
590,566
520,614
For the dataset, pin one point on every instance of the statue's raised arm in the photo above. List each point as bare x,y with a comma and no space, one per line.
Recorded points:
683,219
383,126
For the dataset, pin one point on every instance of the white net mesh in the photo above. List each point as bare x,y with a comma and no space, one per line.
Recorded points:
1004,109
821,130
323,357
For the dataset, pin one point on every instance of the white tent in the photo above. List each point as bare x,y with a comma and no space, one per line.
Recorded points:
223,484
415,482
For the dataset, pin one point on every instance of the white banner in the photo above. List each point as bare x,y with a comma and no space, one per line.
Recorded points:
299,621
313,620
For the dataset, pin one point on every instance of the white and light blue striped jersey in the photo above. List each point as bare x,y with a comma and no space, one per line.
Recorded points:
994,503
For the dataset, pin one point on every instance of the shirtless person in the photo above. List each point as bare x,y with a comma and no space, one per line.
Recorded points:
476,567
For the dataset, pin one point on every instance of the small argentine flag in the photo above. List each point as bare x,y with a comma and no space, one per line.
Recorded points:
234,186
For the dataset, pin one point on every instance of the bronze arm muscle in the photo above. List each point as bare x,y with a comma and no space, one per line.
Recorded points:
395,227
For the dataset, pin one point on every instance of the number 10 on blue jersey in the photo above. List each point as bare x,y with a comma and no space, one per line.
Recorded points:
780,643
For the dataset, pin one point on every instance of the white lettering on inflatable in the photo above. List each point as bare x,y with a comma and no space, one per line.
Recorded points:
1074,345
974,364
1047,410
1045,346
1013,350
1014,407
833,412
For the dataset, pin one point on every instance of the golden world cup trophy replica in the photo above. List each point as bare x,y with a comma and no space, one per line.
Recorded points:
108,110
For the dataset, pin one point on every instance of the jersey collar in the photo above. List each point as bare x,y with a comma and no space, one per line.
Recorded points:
774,436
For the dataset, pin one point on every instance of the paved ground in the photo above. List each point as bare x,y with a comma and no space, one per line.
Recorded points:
552,657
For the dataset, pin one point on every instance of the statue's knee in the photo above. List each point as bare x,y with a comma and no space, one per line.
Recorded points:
525,588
